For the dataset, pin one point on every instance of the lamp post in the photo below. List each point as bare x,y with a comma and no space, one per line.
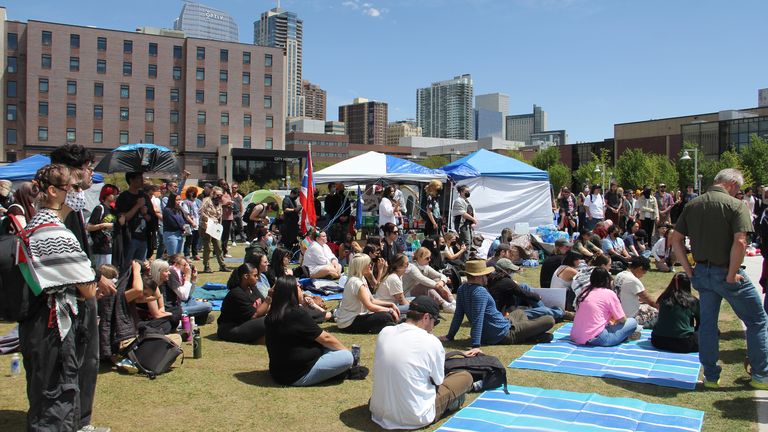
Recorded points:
687,157
602,171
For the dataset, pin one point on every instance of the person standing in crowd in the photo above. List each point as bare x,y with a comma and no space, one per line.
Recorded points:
647,210
750,201
689,195
594,206
6,199
582,207
613,203
665,202
24,201
410,388
132,211
567,201
227,216
399,198
291,211
388,207
155,239
191,209
337,212
717,225
464,219
677,207
100,225
173,225
679,318
211,210
430,209
237,214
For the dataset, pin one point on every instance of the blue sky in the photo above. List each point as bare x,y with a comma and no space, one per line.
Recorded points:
589,63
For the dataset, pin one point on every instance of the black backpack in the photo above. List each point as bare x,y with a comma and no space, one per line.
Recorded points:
15,295
153,354
248,211
482,367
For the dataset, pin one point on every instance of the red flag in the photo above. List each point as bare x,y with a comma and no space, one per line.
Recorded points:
307,196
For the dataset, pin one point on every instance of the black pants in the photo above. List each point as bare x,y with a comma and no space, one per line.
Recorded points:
370,323
190,243
250,331
677,345
89,368
648,226
227,225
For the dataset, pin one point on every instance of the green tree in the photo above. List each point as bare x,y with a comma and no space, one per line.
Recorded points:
634,169
754,161
515,154
435,161
685,168
585,174
247,186
546,158
663,171
728,159
559,176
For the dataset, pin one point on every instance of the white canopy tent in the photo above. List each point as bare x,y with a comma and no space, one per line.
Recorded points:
372,166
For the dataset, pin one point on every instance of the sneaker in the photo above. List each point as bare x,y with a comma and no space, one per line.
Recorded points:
758,385
127,366
246,243
635,336
225,269
456,403
716,384
92,428
227,255
449,307
357,373
543,338
234,244
568,316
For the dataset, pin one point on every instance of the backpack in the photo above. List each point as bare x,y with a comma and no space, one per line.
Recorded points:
14,293
248,211
154,354
482,367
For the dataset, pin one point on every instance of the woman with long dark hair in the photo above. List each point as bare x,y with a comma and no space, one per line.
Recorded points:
600,319
244,307
300,352
676,329
279,265
173,225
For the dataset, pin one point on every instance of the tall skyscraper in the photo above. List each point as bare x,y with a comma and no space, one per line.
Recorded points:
366,121
490,111
521,126
204,22
496,102
444,110
280,28
314,100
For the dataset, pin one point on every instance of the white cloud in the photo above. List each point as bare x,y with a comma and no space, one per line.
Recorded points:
372,11
368,9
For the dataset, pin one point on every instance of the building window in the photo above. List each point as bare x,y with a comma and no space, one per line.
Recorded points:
152,49
269,122
222,98
225,119
200,74
127,47
71,87
101,66
11,136
71,135
42,85
42,134
177,51
46,38
150,93
174,140
223,56
98,135
149,115
174,117
199,96
201,140
224,140
267,101
13,65
74,64
200,53
268,60
98,112
247,142
246,57
123,113
101,44
71,110
268,144
98,89
174,95
152,71
177,73
247,120
123,137
74,41
45,61
246,100
149,137
125,91
11,113
12,42
10,156
223,75
127,69
267,80
246,78
209,166
11,90
201,117
42,109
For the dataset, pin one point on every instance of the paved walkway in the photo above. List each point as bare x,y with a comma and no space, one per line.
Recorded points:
754,268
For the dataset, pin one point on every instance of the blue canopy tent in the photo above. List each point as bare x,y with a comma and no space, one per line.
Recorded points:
25,169
504,191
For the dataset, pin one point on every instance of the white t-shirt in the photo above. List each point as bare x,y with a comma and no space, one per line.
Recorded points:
596,206
386,212
318,256
389,287
399,197
408,365
350,306
659,250
629,287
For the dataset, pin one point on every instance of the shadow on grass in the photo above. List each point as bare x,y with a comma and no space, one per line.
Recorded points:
732,335
358,418
646,389
13,420
740,408
733,356
262,378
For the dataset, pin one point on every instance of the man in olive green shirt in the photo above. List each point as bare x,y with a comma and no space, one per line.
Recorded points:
717,225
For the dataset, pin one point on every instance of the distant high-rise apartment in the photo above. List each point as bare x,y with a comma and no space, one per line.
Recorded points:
204,22
404,128
314,100
488,124
762,97
280,28
521,126
444,110
366,121
493,102
496,102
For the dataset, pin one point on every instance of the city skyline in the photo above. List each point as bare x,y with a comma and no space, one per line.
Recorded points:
592,64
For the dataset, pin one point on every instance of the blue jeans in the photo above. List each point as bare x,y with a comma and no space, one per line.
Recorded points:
330,364
746,303
173,241
591,223
137,250
538,309
615,334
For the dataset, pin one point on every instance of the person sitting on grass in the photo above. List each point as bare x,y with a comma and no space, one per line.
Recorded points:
263,244
181,283
319,258
613,245
391,288
584,245
508,294
563,275
600,320
421,279
489,326
279,265
244,307
662,250
300,352
678,324
154,314
380,266
634,298
358,311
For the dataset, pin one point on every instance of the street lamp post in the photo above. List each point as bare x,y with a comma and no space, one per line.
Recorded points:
686,157
602,175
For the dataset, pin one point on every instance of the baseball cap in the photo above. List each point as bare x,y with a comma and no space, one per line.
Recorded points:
561,242
506,265
426,304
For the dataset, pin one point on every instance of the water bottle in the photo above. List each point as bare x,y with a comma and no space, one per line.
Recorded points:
186,328
355,355
15,365
416,244
197,344
192,327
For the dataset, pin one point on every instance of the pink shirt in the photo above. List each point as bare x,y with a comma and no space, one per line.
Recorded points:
601,306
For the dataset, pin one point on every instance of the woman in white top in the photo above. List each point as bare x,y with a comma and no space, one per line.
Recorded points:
594,204
564,274
319,258
358,311
388,207
391,287
661,252
421,279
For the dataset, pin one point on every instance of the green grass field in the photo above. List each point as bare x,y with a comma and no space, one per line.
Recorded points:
229,389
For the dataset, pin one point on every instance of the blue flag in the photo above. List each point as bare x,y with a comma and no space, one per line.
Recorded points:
359,210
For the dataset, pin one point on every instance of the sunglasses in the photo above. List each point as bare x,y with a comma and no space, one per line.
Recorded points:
436,320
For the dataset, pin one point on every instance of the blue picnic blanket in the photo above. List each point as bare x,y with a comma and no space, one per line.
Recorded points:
636,361
528,409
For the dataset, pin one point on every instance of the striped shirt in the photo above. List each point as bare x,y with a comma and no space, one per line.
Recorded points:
488,324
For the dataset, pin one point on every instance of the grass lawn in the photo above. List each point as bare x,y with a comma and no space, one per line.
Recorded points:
230,388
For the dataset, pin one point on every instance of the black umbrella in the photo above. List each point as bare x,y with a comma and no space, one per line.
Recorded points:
139,158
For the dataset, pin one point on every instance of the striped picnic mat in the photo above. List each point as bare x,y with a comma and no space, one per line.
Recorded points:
636,361
536,409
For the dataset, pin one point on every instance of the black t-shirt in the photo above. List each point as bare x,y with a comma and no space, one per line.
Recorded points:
291,345
102,239
613,199
237,307
548,269
137,226
75,223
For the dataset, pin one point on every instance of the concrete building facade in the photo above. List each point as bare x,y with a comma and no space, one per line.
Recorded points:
314,100
204,22
488,124
444,110
519,127
366,122
762,98
399,129
335,127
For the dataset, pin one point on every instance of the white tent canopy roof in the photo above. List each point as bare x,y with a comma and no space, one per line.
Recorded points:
372,166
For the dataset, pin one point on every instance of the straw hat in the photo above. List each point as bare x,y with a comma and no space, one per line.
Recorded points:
477,268
5,187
